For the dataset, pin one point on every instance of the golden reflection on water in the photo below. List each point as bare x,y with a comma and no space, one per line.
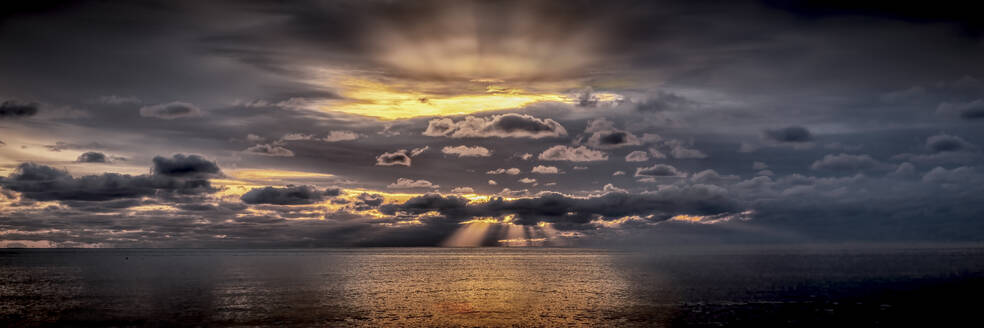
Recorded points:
480,287
471,287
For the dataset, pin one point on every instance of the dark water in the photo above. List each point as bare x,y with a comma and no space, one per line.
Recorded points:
423,287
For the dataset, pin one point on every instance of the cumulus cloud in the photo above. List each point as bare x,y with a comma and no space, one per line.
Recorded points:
501,126
289,195
466,151
572,154
947,143
792,134
509,171
399,157
659,171
492,182
269,150
713,177
296,137
463,190
945,149
404,183
637,156
181,165
604,135
336,136
847,162
680,151
527,180
171,110
92,157
367,201
11,109
542,169
178,175
959,175
567,212
676,148
972,110
612,188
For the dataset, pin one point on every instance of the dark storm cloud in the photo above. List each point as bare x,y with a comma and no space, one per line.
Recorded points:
946,142
794,134
290,195
10,109
502,126
176,176
974,111
181,165
574,213
92,157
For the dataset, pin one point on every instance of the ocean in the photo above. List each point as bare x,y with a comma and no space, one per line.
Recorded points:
493,287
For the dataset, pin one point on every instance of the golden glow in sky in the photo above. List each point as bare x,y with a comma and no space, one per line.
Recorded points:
368,98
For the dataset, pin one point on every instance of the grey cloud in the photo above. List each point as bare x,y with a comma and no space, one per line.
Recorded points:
793,134
404,183
637,156
680,151
960,175
665,101
466,151
92,157
61,145
181,165
972,110
399,157
604,135
40,182
713,177
170,111
612,139
501,126
367,201
11,109
572,154
945,143
542,169
269,150
289,195
574,213
659,170
847,162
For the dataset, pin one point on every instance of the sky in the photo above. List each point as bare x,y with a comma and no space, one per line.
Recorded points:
489,123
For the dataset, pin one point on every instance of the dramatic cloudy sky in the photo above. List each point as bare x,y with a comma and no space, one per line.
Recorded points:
388,123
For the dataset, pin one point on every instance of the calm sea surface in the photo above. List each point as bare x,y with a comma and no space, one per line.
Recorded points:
511,287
